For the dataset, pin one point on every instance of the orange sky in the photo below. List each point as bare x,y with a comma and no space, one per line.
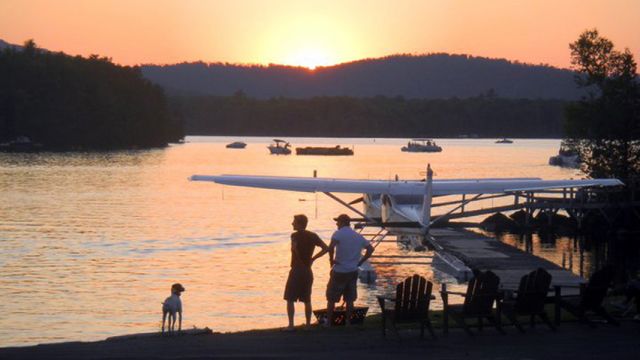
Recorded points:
311,33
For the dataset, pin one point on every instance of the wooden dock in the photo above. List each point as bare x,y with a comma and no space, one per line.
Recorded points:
484,253
578,204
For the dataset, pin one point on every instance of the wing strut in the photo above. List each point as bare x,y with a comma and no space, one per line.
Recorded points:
348,206
463,203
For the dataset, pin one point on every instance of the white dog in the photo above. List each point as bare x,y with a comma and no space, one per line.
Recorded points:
172,306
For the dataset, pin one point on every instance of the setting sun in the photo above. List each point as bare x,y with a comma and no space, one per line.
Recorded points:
310,58
311,33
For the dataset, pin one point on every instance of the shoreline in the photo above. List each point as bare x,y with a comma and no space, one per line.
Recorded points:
571,340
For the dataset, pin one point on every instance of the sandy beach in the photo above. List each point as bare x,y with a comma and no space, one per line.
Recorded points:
572,340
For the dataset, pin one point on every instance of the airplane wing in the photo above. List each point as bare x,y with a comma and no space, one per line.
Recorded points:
318,184
505,186
440,187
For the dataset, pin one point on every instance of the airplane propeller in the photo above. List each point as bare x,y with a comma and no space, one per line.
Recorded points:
358,200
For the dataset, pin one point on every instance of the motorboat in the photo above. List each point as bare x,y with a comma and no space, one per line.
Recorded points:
236,145
504,141
321,150
421,145
279,147
566,158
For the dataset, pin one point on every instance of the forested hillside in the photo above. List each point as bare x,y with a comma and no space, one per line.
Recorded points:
76,103
435,76
485,116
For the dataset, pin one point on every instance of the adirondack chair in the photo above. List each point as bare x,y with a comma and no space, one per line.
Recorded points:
531,297
412,299
590,299
482,292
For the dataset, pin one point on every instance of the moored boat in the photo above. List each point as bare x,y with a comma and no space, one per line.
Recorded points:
20,144
279,147
421,145
236,145
504,141
321,150
566,158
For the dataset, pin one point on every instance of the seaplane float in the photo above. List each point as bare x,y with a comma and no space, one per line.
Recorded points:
403,207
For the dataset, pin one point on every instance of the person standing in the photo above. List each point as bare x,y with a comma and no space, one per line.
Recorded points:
347,246
300,280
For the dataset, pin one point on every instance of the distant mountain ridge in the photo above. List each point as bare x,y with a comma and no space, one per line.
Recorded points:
430,76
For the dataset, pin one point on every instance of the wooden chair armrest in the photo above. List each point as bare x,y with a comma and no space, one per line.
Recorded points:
382,300
453,293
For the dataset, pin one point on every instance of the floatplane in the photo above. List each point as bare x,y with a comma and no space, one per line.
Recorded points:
403,207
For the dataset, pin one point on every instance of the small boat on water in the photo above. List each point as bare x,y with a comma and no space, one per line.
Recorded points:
279,147
504,141
20,144
321,150
421,145
236,145
565,158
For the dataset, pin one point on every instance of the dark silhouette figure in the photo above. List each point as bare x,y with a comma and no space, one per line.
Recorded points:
300,280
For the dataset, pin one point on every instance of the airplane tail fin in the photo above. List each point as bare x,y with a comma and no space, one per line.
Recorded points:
426,201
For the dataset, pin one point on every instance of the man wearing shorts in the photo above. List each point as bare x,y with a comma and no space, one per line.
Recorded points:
347,246
300,278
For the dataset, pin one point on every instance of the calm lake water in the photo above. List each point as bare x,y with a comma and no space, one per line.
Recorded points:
90,243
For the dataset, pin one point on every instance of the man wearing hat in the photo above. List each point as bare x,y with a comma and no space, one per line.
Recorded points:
346,245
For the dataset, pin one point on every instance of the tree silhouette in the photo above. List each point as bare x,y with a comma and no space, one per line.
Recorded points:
604,126
76,103
378,116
